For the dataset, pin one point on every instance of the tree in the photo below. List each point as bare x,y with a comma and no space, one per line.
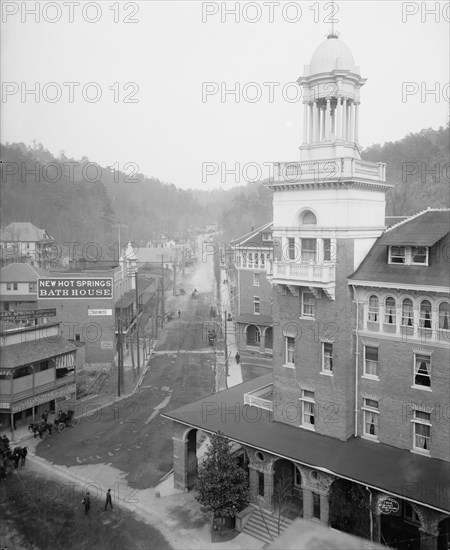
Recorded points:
222,484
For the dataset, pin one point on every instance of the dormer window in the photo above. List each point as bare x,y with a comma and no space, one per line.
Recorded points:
397,254
266,236
408,255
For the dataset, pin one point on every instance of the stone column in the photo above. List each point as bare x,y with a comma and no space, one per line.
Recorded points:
305,122
311,121
351,121
338,119
307,503
327,121
429,526
356,121
179,457
322,138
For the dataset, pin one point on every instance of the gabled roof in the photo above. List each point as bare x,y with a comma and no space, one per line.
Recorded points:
429,228
254,238
23,232
21,273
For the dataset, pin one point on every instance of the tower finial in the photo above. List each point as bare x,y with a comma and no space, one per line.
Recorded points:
334,9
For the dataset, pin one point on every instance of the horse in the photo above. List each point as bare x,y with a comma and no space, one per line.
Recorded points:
40,428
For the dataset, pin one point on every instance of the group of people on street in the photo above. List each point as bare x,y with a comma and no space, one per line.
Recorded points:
86,502
18,456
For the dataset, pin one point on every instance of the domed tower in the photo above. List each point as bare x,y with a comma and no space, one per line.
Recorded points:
331,90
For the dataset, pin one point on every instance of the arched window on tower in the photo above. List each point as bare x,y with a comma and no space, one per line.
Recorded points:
308,218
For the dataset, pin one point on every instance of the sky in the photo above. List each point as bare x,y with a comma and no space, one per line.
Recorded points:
149,80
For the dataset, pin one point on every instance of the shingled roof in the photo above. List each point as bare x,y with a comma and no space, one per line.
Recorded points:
429,228
254,238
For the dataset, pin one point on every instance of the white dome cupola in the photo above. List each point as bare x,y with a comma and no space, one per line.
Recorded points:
331,95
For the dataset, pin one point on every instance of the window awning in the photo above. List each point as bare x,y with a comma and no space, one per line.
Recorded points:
66,361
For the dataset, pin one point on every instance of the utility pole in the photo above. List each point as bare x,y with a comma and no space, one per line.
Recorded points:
175,272
119,352
137,324
163,312
226,344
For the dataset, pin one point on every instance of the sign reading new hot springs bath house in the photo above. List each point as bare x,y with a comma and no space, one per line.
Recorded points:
74,287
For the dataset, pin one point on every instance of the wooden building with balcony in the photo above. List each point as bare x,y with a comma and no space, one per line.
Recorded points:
37,371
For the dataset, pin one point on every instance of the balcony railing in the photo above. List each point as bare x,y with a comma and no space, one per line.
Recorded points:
321,171
308,273
262,398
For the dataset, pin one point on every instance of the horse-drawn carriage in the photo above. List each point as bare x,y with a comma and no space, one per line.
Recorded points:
194,294
62,421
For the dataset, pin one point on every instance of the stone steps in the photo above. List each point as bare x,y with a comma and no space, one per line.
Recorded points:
264,527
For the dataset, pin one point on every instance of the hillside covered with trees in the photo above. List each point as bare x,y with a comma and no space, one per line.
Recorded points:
80,201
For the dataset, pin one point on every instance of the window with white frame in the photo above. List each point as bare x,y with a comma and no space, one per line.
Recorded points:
373,312
250,259
397,254
307,409
422,370
371,416
371,361
421,431
8,286
408,255
256,305
266,236
327,357
244,259
309,250
32,287
256,279
419,255
425,314
256,260
407,313
444,316
263,260
308,305
289,355
389,311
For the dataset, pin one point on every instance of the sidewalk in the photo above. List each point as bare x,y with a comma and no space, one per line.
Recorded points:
234,370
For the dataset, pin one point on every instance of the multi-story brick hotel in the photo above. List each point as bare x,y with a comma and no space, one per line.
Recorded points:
355,414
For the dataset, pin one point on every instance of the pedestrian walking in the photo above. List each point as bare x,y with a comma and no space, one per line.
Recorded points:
179,314
45,416
87,503
16,460
108,500
24,455
238,358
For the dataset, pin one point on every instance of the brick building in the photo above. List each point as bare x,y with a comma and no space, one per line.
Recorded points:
352,416
250,290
